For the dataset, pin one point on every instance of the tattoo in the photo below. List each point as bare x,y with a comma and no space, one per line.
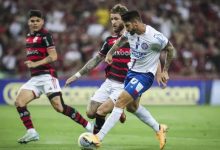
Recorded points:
92,63
120,42
170,50
49,59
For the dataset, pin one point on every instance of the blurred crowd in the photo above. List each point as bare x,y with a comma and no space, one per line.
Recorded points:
80,26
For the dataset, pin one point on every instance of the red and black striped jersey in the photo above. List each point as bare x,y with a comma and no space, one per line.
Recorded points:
37,45
118,69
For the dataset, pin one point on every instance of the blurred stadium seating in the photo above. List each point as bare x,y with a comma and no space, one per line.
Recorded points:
79,28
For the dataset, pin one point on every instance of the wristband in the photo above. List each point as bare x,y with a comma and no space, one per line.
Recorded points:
78,75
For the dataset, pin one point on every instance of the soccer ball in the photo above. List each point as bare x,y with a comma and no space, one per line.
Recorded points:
85,142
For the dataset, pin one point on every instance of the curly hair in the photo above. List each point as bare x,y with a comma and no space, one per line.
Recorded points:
119,9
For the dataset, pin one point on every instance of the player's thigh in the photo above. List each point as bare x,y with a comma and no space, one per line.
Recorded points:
140,83
102,94
105,108
92,109
24,97
124,99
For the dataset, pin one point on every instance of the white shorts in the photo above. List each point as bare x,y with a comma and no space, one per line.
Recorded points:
42,84
109,89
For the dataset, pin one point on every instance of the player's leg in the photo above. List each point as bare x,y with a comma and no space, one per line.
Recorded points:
106,107
101,113
92,108
143,114
58,104
117,111
135,85
24,97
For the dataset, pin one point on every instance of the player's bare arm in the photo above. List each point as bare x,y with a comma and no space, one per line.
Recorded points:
120,42
169,57
160,82
91,64
52,56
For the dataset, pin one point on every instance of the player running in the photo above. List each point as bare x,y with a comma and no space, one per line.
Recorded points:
146,44
41,52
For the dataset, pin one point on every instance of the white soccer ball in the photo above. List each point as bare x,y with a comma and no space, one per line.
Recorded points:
85,141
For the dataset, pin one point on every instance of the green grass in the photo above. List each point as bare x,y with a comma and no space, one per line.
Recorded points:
191,128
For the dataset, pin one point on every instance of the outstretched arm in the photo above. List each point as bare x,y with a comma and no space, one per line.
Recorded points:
91,64
120,42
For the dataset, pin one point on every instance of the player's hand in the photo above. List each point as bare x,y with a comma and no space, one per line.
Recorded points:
160,82
30,64
164,78
70,80
108,58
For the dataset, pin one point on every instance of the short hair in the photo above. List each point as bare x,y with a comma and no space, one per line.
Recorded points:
119,9
35,13
130,16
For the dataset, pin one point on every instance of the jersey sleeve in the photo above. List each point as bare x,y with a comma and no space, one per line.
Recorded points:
105,48
48,41
162,39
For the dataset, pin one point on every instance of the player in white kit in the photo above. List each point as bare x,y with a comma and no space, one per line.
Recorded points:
146,44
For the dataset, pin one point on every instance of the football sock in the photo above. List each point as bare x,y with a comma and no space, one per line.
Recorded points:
110,122
74,115
144,115
25,117
99,121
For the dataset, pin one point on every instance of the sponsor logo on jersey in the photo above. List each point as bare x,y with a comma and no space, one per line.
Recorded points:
33,52
138,54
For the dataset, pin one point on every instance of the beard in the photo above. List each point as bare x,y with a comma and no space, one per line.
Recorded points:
119,29
132,32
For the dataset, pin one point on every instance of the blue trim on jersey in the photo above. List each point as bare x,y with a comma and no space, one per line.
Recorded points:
137,83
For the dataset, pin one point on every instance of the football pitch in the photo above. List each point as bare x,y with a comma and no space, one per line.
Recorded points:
190,128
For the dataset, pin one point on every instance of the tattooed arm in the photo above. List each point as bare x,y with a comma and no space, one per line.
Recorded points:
169,57
170,52
120,42
52,56
91,64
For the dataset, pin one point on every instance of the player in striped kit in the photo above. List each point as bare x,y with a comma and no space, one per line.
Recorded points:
104,98
146,44
41,52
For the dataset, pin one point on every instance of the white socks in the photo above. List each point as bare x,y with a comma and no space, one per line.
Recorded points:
31,130
144,115
110,122
89,127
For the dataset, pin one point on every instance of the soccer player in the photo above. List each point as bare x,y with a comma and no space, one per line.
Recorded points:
104,98
146,44
41,52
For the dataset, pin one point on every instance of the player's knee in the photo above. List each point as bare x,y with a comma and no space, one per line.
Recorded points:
90,114
131,108
102,112
19,103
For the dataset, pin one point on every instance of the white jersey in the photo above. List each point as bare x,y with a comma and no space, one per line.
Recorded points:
145,50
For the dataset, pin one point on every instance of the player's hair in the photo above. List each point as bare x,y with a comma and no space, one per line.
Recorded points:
119,9
131,16
35,13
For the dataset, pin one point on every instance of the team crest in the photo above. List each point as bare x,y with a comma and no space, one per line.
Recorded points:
144,46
